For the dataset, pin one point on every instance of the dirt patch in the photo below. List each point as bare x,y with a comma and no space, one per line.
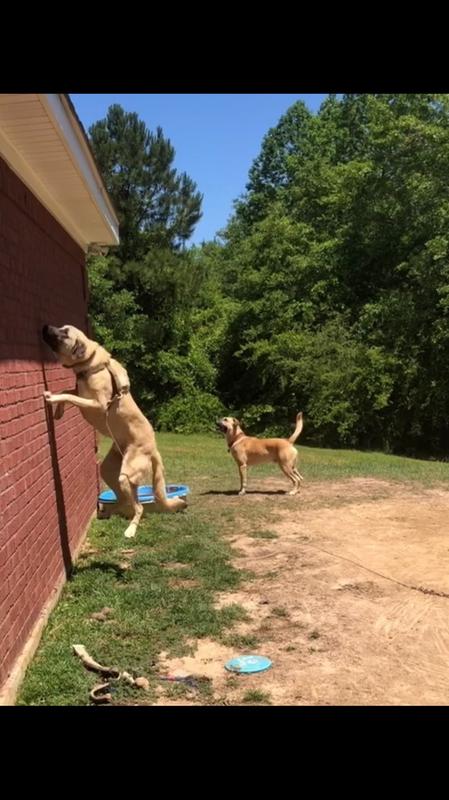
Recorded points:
349,632
207,661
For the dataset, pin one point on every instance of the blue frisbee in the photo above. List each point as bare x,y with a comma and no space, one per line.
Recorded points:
248,664
145,494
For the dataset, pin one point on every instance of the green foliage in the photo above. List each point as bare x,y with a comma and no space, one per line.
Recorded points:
328,291
338,254
146,298
190,413
116,316
156,206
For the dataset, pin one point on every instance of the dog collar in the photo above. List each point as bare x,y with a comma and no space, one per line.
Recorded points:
90,371
239,439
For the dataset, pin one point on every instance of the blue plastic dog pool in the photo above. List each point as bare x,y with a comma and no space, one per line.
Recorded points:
145,493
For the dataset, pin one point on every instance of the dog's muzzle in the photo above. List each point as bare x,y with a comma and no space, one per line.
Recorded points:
51,336
220,427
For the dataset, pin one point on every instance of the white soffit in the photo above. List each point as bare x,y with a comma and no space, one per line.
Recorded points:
44,143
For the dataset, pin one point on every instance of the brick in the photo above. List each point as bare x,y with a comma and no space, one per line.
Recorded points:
44,270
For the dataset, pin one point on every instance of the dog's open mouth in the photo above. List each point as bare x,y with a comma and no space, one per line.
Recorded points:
220,427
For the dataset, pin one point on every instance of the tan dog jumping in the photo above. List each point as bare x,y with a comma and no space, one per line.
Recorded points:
249,450
105,402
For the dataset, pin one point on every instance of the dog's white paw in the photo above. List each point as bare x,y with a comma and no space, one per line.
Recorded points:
242,492
131,530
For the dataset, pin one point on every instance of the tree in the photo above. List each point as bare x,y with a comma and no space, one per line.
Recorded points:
329,289
270,171
143,294
344,227
157,207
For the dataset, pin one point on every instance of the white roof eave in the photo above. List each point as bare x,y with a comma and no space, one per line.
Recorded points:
97,223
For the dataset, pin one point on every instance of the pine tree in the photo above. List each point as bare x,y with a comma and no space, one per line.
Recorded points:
157,207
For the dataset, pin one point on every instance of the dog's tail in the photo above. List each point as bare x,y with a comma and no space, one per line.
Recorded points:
163,503
299,425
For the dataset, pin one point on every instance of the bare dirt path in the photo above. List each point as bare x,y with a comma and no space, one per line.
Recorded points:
337,633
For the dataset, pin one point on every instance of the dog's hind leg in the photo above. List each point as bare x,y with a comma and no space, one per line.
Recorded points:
110,469
134,468
288,471
288,467
130,491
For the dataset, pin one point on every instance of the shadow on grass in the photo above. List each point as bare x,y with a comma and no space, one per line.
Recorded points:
99,566
230,492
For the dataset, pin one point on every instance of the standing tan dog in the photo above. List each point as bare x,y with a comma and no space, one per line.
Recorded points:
105,402
248,450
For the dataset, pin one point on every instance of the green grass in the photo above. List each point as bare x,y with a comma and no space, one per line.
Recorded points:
243,643
202,462
256,697
263,535
319,464
153,610
204,457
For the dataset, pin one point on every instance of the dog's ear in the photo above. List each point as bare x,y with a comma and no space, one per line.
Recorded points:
236,422
79,349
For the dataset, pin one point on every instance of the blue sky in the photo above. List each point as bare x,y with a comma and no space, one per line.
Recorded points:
216,137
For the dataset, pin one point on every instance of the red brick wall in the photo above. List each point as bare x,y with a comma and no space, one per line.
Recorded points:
48,476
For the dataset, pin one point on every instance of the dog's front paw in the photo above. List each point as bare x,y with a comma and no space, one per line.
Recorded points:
48,397
242,492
